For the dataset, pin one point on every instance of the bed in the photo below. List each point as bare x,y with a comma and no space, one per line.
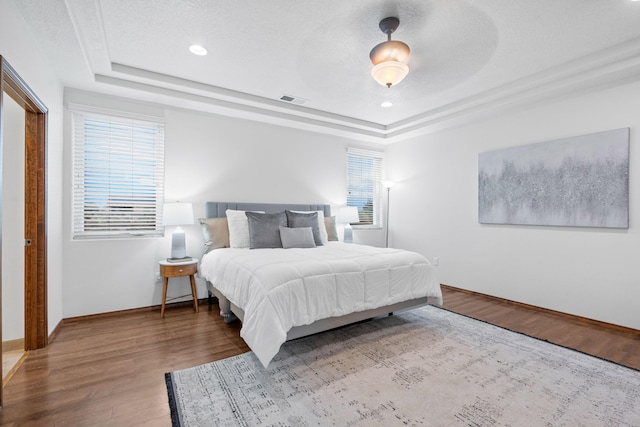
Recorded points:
284,294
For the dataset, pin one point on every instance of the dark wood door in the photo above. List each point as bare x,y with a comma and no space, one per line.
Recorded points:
36,328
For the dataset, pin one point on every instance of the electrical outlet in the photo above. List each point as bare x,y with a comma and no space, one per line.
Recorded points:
158,277
436,261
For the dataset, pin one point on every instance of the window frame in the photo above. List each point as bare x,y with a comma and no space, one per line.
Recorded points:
376,181
139,176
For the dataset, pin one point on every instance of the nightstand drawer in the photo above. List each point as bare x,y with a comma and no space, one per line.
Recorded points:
178,270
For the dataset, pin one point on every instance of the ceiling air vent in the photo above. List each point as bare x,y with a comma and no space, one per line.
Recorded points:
293,99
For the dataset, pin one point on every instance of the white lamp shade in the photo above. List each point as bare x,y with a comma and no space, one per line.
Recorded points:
388,184
177,214
389,73
347,215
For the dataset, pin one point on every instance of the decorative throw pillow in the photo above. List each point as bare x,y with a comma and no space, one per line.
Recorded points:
238,228
324,237
215,232
264,229
301,237
332,231
296,219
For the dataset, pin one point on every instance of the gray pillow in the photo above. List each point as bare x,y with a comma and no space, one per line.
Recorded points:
264,229
297,219
301,237
215,232
332,231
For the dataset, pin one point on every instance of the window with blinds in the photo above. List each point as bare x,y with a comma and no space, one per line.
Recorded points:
364,184
118,176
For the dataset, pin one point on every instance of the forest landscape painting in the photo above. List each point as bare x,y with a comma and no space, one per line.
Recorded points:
581,181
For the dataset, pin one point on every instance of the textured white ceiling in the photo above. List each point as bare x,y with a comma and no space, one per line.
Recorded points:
465,55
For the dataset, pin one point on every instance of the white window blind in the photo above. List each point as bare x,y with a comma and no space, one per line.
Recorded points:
118,176
364,184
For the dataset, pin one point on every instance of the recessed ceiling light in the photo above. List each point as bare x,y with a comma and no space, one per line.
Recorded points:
386,104
197,50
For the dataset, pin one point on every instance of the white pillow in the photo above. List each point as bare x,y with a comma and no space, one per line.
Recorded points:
324,236
238,228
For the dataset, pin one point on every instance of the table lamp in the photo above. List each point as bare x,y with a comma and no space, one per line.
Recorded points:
177,214
347,215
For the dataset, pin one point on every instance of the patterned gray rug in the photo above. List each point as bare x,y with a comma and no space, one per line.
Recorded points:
424,367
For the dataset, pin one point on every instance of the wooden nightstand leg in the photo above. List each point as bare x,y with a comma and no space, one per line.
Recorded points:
193,292
164,296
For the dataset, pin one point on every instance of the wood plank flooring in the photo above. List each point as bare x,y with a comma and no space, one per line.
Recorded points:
109,370
620,345
10,363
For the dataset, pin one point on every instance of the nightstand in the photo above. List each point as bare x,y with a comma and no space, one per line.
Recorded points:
179,269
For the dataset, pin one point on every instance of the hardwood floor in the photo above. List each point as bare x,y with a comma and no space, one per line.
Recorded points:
109,370
10,363
618,344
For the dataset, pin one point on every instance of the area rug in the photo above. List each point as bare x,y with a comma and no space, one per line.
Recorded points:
425,367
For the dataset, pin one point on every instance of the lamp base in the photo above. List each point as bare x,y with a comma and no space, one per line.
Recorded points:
178,260
178,247
348,234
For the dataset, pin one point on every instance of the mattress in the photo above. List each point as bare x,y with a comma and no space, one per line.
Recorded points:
281,288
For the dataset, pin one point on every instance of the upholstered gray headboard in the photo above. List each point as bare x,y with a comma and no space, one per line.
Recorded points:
218,209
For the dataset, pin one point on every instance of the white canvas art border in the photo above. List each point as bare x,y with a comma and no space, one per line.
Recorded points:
582,181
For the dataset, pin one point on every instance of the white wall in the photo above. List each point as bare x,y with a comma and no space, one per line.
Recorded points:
593,273
25,56
207,158
13,221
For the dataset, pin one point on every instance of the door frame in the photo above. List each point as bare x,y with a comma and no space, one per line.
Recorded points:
36,334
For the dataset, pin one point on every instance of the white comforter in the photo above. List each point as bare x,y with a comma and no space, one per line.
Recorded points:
282,288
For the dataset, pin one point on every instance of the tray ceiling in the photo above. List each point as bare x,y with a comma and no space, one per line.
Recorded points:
466,57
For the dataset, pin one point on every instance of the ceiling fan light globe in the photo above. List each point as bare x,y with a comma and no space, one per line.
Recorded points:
391,50
389,73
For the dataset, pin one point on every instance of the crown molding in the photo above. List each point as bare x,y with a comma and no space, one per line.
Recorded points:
240,99
193,101
615,65
620,64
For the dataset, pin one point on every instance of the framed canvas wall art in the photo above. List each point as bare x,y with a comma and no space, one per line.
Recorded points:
581,181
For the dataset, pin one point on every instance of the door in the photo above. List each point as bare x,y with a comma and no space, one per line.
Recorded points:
35,214
13,205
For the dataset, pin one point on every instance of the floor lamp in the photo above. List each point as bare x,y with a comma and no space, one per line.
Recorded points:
387,185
